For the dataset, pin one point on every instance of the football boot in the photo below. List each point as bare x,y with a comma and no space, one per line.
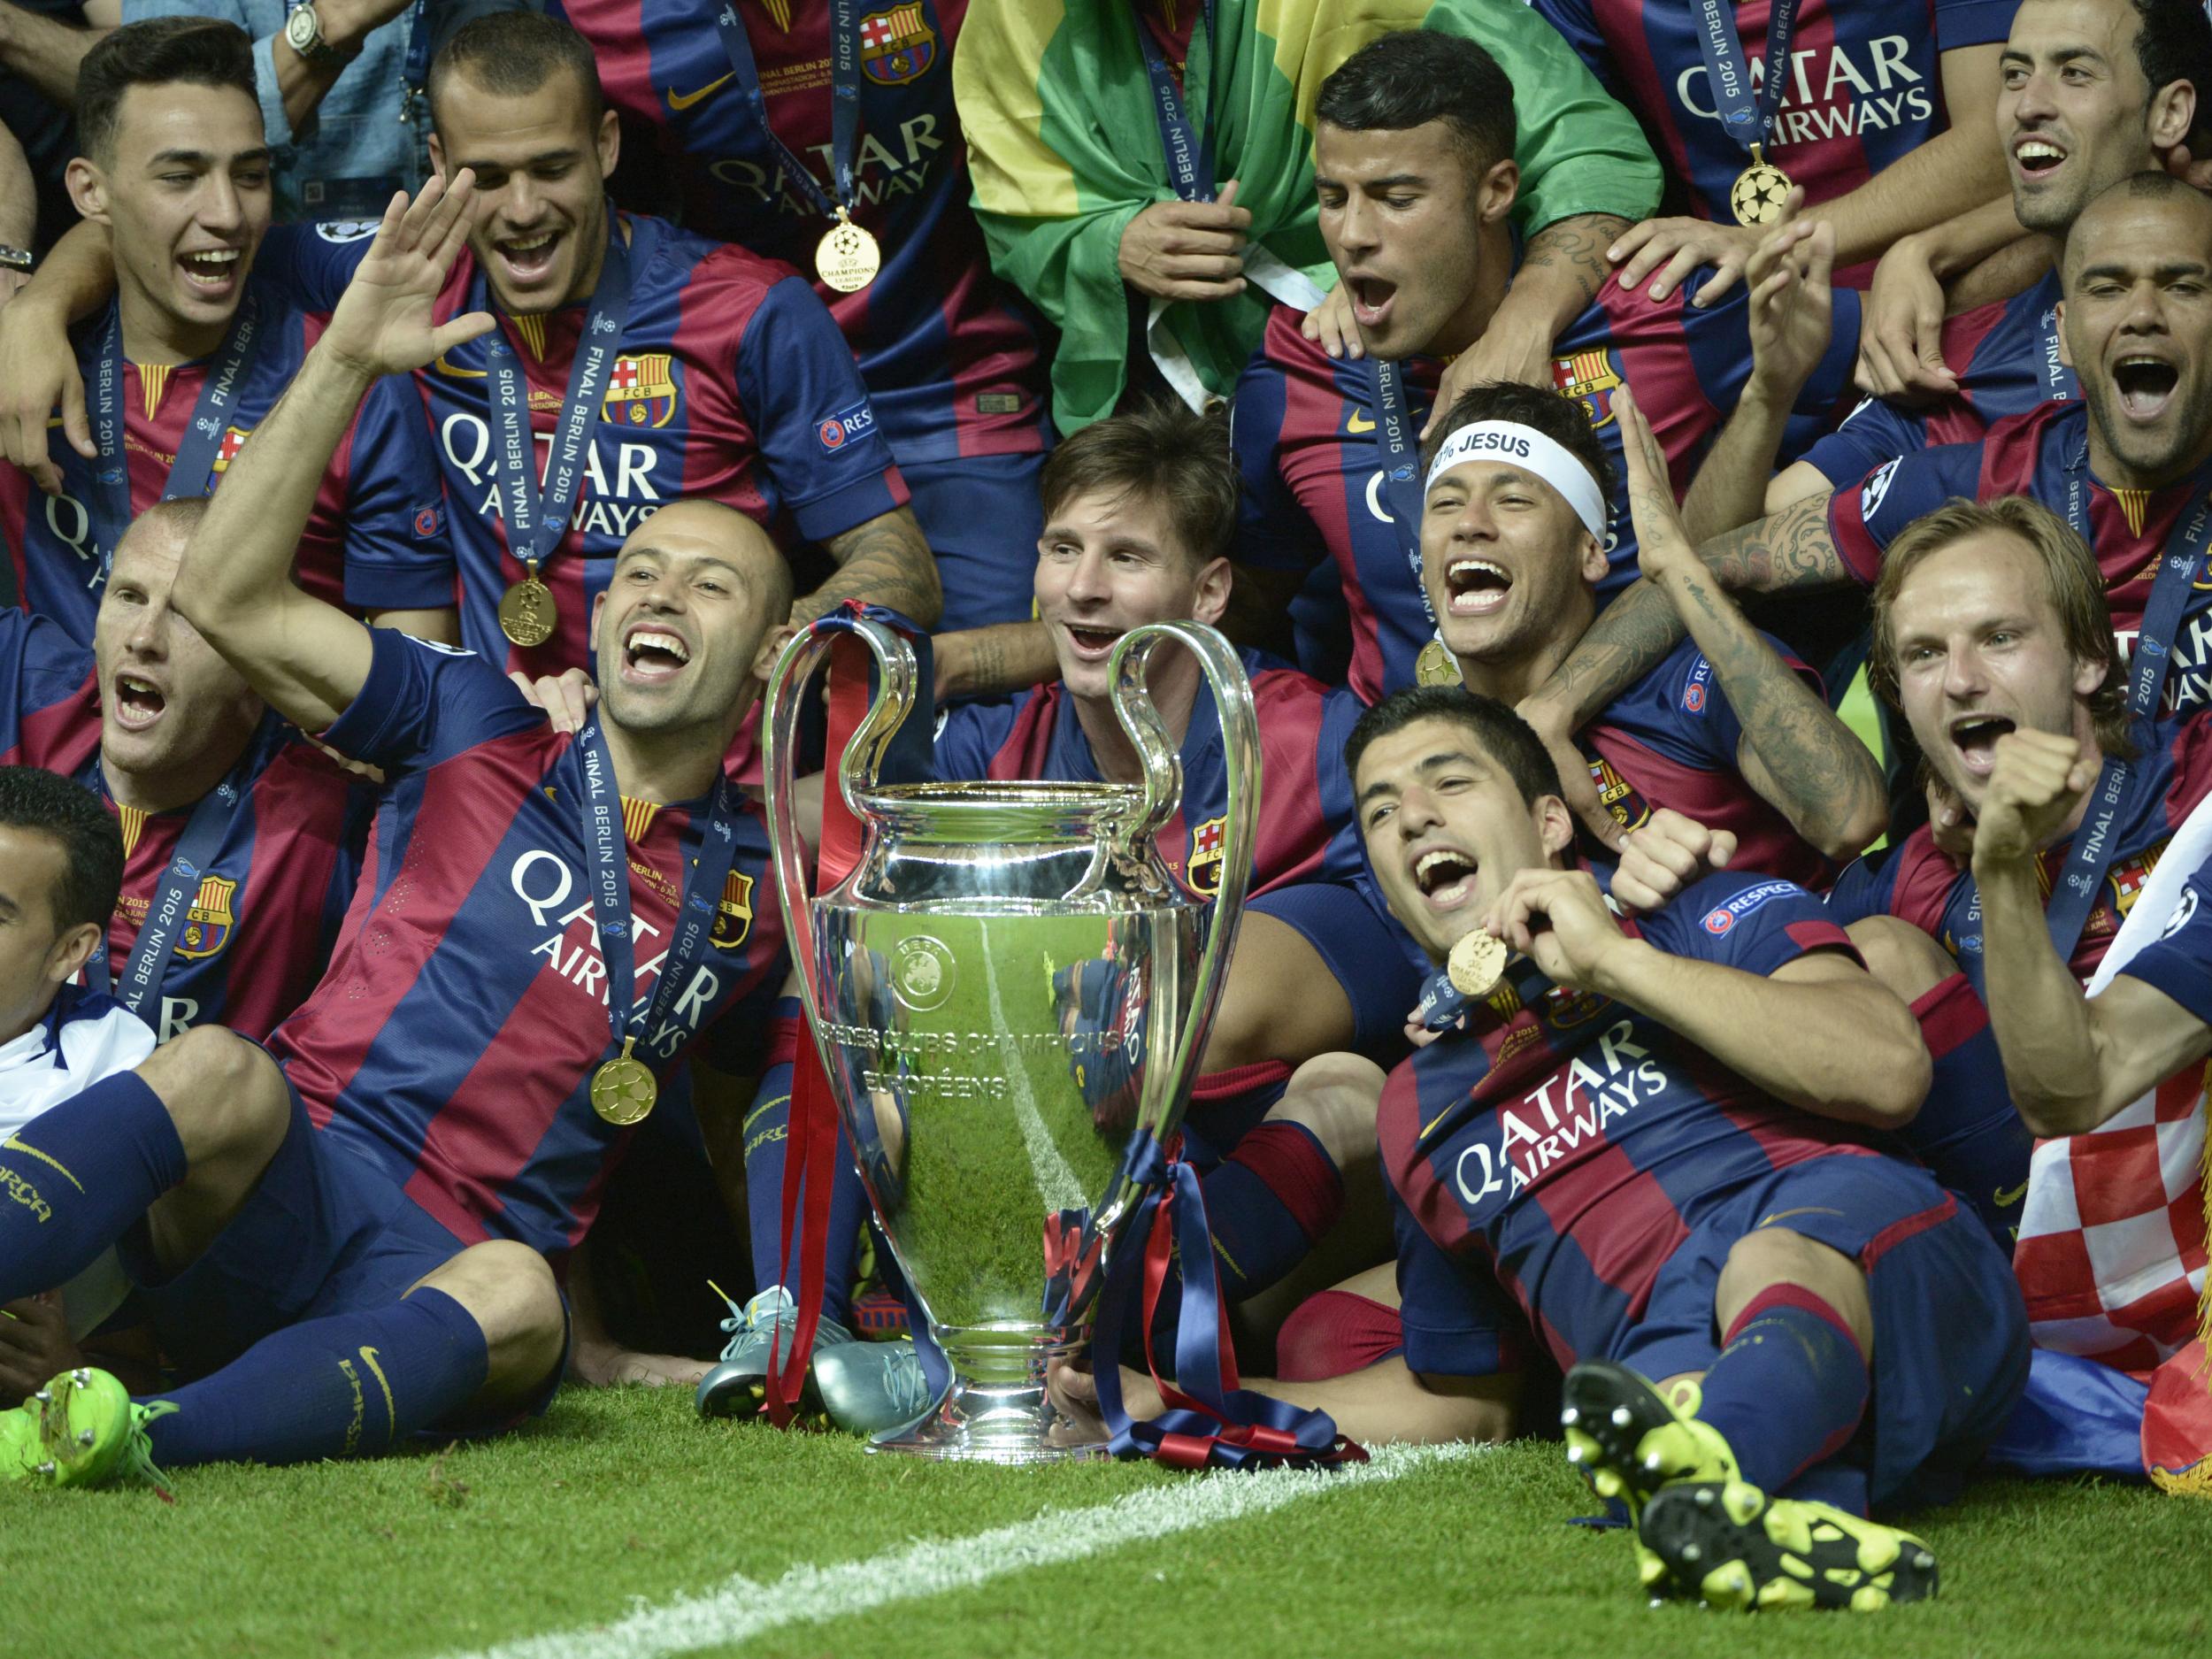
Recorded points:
1732,1546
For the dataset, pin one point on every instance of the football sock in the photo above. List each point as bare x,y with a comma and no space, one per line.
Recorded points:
775,1259
1789,1386
350,1384
74,1178
1335,1332
1267,1202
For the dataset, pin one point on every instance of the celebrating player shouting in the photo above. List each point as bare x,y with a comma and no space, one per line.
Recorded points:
356,1233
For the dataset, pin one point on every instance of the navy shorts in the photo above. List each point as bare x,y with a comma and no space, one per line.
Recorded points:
982,518
1950,1331
325,1231
1365,952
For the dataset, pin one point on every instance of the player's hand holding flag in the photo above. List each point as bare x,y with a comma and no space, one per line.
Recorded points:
384,321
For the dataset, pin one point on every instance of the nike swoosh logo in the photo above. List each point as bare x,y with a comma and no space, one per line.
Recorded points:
2012,1197
1360,422
681,101
453,371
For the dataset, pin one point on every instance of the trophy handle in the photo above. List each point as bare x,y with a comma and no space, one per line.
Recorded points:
857,767
1163,790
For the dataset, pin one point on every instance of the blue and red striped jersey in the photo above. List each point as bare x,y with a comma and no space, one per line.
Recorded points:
1920,885
1306,827
1670,741
1553,1153
453,1039
2005,354
732,385
1866,86
1305,436
378,516
2028,455
259,928
951,359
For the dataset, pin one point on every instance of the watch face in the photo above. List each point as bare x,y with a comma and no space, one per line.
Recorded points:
300,28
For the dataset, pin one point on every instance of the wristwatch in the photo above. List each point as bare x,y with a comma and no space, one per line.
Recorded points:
304,29
18,260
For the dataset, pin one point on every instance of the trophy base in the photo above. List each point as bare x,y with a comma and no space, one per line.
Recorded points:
997,1422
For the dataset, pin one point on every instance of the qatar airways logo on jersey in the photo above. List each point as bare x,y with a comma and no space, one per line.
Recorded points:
70,522
1832,93
879,173
567,938
611,504
1563,1121
2189,675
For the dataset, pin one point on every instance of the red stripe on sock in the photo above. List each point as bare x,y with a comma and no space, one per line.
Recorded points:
1219,1085
1798,1297
1334,1332
1950,1015
1287,1158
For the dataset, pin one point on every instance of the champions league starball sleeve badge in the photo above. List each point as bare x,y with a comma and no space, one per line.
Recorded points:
1010,993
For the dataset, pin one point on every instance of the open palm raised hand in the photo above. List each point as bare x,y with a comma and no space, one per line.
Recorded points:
385,320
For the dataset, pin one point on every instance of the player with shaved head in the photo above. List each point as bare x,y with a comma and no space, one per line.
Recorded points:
351,1234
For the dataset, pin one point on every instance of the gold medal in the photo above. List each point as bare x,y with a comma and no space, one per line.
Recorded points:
1760,190
848,256
525,611
1436,665
1477,963
622,1089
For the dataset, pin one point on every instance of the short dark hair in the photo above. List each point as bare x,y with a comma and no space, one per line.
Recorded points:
47,804
1504,736
513,54
1563,419
158,52
1162,448
1412,77
2150,185
2174,42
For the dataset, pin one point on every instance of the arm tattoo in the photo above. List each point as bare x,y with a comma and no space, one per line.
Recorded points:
1631,637
884,562
1792,549
1576,246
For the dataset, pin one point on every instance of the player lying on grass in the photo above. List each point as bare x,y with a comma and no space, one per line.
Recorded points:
362,1228
1614,1151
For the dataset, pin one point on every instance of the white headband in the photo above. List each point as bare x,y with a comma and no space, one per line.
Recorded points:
1532,451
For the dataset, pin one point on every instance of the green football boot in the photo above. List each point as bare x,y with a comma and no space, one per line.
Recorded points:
1628,1441
81,1430
1734,1548
873,1388
760,1332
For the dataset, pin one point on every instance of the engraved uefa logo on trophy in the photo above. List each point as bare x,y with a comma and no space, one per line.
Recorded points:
1007,986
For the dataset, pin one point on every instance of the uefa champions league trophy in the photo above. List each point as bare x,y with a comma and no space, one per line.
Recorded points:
1007,986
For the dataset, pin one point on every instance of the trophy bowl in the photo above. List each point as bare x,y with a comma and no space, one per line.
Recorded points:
1007,991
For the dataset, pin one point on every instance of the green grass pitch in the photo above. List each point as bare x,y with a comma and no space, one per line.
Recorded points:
620,1505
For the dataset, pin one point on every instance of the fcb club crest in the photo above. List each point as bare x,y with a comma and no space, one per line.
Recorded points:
733,916
233,440
1590,376
208,923
2127,878
1203,870
1619,796
641,391
897,45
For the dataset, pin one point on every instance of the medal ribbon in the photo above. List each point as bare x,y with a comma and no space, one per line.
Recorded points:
157,935
607,853
1748,116
1210,1420
2074,889
197,451
844,103
1397,449
535,523
1190,159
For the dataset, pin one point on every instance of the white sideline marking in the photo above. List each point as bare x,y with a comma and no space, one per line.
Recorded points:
1057,1181
807,1595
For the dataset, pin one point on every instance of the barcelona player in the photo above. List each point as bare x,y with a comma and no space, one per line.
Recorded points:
352,1232
2092,91
1413,164
1728,730
242,840
173,375
740,109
